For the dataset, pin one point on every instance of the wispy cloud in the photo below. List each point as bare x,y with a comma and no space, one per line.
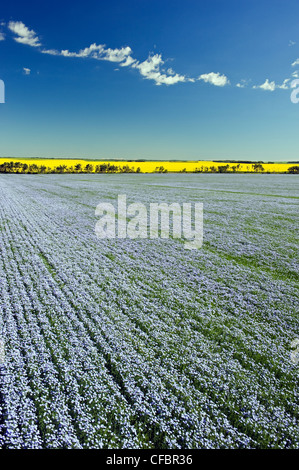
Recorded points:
50,51
122,55
96,51
99,52
151,70
242,83
272,86
214,78
24,35
284,85
268,86
129,61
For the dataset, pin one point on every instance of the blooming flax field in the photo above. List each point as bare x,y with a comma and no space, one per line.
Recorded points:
142,343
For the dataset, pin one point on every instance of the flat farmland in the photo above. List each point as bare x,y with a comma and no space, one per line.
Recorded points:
141,343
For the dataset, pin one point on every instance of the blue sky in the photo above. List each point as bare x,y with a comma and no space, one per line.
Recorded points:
148,79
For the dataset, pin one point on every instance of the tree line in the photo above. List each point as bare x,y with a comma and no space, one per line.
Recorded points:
19,167
33,168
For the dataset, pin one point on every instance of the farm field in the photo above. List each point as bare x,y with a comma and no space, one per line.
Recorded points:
141,343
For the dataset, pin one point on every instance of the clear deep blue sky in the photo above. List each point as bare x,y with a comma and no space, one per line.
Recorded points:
164,79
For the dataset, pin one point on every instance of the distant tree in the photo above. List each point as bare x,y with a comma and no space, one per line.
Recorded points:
33,168
160,169
126,169
78,167
88,168
101,168
18,167
199,170
61,169
112,168
258,167
223,168
294,170
7,167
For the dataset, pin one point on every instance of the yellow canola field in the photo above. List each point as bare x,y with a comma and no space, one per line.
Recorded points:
151,166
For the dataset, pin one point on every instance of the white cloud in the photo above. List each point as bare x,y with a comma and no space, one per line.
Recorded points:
117,55
284,85
50,51
94,51
129,61
24,34
291,43
170,71
150,65
269,86
272,86
67,53
214,78
151,70
99,52
162,78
